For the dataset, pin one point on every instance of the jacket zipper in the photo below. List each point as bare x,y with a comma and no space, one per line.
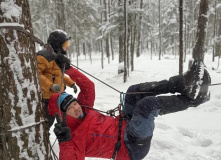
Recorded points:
53,78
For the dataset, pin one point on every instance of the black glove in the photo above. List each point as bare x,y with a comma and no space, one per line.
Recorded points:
62,60
61,130
75,88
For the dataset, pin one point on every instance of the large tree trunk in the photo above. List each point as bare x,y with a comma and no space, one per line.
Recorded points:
23,133
199,48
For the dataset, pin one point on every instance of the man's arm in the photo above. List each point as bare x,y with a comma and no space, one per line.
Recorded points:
87,93
68,151
68,81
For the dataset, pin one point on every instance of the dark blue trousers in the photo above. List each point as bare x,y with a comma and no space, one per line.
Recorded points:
141,111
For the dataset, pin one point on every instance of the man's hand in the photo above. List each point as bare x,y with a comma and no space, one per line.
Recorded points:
62,60
61,130
55,88
75,88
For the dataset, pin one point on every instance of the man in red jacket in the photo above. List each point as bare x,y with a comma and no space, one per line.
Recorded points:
85,132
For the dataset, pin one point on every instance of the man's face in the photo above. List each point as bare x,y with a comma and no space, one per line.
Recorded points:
74,110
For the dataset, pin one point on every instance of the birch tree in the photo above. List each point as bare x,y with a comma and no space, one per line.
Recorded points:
22,126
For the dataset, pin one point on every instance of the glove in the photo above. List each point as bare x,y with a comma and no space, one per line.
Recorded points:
55,87
75,88
61,130
62,60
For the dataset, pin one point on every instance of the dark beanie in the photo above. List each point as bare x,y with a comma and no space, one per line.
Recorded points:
65,100
56,39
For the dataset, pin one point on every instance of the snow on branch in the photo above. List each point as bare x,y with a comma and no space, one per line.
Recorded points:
11,24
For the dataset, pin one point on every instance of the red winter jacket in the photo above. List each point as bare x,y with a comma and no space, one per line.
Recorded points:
96,134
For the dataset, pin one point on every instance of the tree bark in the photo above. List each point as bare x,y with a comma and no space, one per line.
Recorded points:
218,42
23,131
199,48
160,30
60,14
132,48
107,38
139,32
125,41
101,44
181,38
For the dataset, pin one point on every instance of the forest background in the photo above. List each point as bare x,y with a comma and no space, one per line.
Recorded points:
99,26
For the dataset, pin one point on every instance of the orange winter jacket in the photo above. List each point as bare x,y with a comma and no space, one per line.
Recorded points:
50,73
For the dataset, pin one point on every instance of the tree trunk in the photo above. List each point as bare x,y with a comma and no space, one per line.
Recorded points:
185,40
60,14
181,38
133,40
214,31
107,38
132,49
160,30
139,32
121,46
218,42
84,49
112,48
23,131
101,44
199,48
125,41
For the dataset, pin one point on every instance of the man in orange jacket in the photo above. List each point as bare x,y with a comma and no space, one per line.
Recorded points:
84,132
50,68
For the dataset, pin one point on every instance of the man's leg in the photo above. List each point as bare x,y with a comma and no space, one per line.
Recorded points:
139,131
133,95
170,104
131,100
50,119
187,84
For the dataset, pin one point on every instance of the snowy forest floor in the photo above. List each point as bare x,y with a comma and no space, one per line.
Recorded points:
193,134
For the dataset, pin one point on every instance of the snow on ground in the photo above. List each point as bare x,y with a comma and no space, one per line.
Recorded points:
194,134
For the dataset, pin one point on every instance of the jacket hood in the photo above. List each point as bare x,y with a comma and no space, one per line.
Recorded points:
56,39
